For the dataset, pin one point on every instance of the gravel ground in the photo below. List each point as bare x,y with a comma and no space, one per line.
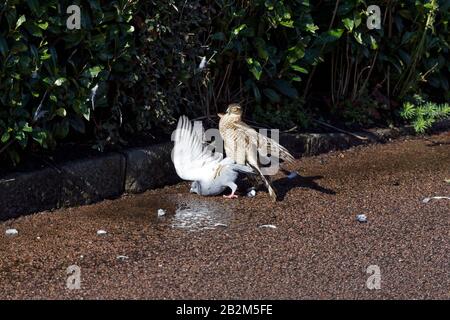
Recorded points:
216,248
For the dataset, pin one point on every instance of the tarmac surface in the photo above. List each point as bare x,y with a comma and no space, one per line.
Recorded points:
308,245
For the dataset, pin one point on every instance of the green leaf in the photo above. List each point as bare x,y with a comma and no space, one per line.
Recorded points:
94,71
408,111
260,46
61,112
20,21
219,36
345,7
287,23
296,52
329,36
373,43
19,136
61,130
255,68
5,137
299,69
33,5
3,46
19,47
22,138
39,136
25,127
45,55
239,29
59,82
406,58
286,88
247,32
43,25
348,23
311,27
407,36
250,84
335,33
33,29
272,95
405,13
358,37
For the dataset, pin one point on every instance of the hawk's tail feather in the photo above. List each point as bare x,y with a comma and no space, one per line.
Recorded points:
269,186
286,155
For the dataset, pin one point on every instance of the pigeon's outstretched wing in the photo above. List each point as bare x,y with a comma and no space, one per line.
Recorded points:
192,160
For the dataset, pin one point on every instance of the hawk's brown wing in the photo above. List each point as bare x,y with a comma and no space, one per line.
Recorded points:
243,134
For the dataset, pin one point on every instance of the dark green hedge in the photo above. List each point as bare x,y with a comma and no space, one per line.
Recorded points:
48,73
136,65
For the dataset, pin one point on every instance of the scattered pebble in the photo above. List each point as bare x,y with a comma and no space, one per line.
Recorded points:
270,226
361,218
251,193
122,257
161,212
220,225
101,232
12,232
292,175
426,200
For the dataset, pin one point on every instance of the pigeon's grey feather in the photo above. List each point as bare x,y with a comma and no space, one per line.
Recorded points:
193,161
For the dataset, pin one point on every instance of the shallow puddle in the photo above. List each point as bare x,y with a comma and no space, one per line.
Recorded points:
186,212
199,215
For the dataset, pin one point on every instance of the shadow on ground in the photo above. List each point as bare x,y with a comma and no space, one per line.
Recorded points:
284,185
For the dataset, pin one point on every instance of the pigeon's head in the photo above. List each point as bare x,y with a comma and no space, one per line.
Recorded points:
195,187
235,109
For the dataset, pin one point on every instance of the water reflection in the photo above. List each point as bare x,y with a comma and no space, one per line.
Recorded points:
200,215
187,212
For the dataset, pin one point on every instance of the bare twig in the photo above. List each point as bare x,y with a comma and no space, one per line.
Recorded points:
6,146
341,130
368,75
